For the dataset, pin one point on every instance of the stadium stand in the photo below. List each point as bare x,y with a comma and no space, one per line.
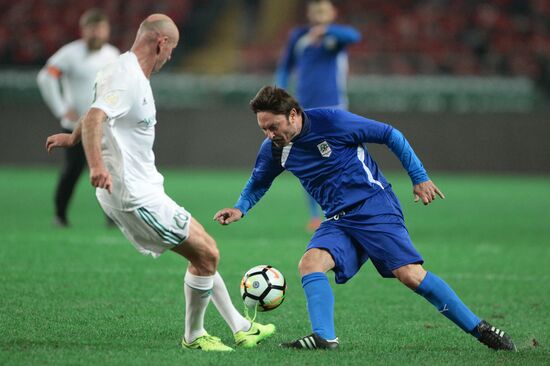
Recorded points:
403,37
498,37
42,26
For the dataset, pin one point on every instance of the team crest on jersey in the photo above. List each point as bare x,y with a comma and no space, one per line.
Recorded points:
324,149
111,98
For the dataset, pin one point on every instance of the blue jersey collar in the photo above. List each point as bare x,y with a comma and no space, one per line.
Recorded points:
306,127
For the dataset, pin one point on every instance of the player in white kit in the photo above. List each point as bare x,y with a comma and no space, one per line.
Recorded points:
66,84
118,133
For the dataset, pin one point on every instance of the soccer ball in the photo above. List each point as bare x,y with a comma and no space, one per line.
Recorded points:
263,288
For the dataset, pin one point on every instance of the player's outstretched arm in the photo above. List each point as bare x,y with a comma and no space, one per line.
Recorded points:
226,216
426,191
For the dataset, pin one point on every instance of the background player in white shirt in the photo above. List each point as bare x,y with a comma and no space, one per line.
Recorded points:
66,84
117,134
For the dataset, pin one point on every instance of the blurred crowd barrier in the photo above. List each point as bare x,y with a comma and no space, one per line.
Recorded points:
455,124
372,93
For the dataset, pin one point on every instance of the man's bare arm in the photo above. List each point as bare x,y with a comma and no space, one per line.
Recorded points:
91,132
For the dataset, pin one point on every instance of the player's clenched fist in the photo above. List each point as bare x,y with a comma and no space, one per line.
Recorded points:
100,178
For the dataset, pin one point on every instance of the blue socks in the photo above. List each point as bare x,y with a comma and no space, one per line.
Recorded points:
440,295
320,304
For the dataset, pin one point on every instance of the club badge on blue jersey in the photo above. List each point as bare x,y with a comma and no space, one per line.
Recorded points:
324,149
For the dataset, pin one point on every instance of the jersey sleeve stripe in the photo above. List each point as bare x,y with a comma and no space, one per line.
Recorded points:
361,157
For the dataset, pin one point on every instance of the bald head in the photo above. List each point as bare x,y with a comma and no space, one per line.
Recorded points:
156,38
158,25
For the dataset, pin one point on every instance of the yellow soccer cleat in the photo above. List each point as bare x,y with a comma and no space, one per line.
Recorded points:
257,333
207,343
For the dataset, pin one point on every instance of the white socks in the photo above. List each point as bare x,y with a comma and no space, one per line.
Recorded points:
222,301
197,290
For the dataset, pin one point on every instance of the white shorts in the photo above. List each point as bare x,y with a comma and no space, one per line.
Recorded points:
153,228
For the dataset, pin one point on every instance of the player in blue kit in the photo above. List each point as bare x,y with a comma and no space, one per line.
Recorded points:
317,53
325,149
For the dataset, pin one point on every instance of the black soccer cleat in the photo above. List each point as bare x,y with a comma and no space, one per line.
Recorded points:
494,338
312,341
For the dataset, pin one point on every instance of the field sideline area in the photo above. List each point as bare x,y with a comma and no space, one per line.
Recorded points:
85,296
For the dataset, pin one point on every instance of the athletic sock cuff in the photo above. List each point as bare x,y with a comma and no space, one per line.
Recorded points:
426,285
203,283
314,276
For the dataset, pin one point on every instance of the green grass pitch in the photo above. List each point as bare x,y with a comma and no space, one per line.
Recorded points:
84,296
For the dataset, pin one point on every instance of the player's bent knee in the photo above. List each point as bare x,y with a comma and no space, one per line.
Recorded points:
209,258
213,251
315,260
201,251
411,275
211,244
215,257
206,263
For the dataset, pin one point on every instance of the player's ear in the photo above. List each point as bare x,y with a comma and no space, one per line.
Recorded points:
162,41
293,113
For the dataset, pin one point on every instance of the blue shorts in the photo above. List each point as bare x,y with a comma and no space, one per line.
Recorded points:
374,229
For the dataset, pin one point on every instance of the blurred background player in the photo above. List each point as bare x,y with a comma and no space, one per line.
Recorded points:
66,84
317,52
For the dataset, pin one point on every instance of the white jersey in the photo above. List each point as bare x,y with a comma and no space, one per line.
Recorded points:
78,66
124,94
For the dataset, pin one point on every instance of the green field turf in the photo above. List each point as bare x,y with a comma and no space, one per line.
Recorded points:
84,296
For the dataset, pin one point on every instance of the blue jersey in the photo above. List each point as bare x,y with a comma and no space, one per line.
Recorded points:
321,68
331,160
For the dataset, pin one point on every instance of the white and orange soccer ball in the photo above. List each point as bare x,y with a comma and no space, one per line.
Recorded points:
263,288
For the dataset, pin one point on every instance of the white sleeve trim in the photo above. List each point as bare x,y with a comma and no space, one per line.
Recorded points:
361,157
